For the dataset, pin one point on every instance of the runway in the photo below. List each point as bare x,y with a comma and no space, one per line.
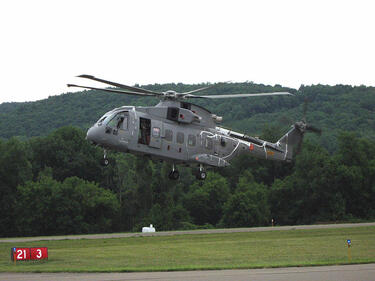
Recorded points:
170,233
363,272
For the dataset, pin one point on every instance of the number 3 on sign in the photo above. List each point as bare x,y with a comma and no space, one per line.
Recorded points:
39,253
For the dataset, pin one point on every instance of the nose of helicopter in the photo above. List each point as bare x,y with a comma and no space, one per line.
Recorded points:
93,135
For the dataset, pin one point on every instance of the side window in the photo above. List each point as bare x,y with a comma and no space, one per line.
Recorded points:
192,140
209,143
180,137
156,132
125,122
168,135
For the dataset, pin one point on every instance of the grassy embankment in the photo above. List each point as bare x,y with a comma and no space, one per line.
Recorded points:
200,251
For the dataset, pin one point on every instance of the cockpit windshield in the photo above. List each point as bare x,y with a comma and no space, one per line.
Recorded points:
119,121
101,120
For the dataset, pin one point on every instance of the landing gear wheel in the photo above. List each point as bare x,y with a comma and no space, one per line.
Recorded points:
201,175
174,175
104,162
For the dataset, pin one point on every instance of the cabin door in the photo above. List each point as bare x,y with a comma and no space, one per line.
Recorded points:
207,142
156,129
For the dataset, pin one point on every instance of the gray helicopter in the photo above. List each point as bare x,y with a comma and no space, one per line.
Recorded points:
183,133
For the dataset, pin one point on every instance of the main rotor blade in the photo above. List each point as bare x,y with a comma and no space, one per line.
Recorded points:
112,90
241,95
198,90
130,88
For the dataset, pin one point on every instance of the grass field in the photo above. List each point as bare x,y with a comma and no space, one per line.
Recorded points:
200,251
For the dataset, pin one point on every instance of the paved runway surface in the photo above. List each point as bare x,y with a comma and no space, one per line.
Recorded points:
169,233
363,272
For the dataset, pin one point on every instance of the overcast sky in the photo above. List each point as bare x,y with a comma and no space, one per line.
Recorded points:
45,44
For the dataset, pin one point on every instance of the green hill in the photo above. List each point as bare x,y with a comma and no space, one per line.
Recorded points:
333,108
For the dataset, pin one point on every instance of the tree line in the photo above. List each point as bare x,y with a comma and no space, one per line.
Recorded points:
332,108
54,184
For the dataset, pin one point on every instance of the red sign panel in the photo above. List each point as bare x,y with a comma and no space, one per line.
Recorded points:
21,254
39,253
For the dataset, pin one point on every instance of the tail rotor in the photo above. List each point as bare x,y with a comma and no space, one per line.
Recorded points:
303,127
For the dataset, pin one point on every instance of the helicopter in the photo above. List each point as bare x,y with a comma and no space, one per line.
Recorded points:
183,133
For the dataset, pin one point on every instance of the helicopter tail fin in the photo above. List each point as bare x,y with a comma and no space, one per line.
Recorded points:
292,140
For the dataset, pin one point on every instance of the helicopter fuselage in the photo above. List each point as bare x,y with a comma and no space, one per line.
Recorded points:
177,132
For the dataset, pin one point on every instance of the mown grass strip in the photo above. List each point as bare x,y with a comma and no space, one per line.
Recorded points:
202,251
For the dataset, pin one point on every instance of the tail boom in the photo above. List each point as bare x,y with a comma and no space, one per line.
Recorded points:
282,150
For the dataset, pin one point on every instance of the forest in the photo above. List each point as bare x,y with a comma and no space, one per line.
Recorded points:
51,181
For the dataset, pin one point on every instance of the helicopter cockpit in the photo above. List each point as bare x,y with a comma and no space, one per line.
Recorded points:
101,120
119,121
